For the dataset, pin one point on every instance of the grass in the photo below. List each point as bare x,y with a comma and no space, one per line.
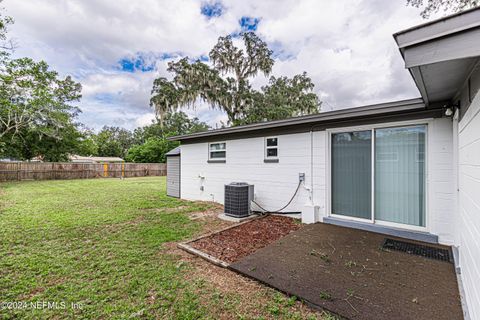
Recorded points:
322,256
95,243
325,295
350,264
96,250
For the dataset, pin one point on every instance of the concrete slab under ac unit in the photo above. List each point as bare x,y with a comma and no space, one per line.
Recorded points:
225,217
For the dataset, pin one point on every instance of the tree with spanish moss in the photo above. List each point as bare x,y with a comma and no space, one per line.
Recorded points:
226,84
433,6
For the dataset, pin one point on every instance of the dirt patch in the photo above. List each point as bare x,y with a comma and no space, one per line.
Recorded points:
345,271
235,243
32,293
120,226
230,295
247,297
166,210
208,214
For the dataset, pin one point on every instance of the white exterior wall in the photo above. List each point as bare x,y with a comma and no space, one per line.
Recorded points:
468,224
441,181
275,183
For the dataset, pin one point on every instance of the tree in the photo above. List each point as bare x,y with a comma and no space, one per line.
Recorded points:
6,46
113,142
226,84
152,151
47,148
433,6
142,134
179,123
176,123
284,98
36,106
151,141
164,98
87,146
34,101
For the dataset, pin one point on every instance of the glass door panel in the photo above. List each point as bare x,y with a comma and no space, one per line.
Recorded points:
400,175
351,174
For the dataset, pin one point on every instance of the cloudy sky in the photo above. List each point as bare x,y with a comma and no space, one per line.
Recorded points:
115,48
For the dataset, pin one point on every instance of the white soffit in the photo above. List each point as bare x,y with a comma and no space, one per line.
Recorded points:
441,81
441,53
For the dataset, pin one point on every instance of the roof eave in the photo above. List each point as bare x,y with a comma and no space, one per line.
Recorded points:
436,43
438,28
323,117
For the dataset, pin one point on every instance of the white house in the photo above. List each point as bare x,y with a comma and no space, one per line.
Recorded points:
409,168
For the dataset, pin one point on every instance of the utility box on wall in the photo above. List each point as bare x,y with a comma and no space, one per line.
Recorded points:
173,173
310,214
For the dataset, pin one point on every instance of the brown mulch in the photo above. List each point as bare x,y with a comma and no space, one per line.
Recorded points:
252,299
235,243
345,271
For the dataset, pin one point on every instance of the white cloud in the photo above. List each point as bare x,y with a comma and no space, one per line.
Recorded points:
145,119
345,46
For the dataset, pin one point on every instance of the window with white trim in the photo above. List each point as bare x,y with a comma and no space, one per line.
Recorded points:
217,151
271,148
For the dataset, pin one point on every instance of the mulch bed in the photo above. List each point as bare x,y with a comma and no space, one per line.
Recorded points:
346,272
235,243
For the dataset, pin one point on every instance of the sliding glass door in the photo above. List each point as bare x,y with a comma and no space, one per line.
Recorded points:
379,175
400,175
352,174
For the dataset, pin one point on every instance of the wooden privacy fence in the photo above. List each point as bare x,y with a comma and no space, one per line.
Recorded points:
68,170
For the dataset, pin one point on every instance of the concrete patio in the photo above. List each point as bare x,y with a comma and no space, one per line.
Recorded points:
347,272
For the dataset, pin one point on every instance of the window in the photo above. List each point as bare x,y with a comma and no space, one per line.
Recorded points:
271,148
217,151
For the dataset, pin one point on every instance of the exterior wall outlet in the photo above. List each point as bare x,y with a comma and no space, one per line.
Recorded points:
301,177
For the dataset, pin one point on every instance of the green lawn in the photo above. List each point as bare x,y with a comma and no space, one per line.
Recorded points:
99,244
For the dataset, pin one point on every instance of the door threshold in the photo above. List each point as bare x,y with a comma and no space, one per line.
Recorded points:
391,231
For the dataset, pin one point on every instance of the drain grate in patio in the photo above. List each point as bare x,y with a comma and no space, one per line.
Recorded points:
418,249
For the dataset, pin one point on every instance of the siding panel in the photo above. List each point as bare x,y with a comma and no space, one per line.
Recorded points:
441,204
274,183
173,176
468,225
